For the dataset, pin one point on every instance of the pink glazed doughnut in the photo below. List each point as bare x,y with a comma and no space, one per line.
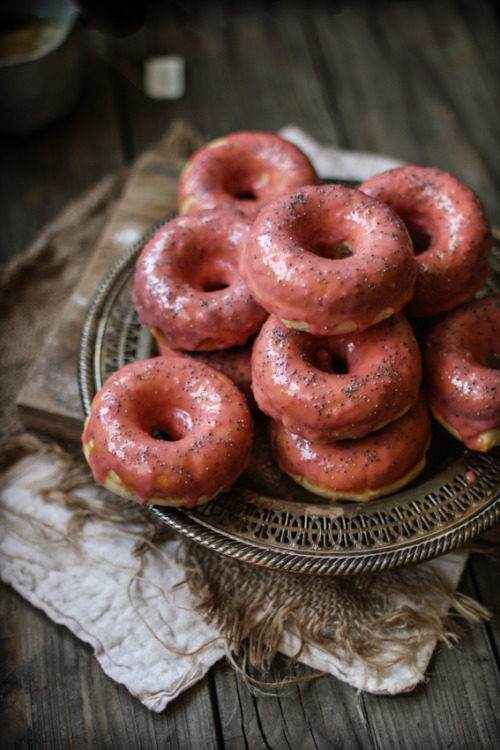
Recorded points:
243,171
329,260
376,465
235,362
328,388
462,373
187,287
451,232
199,409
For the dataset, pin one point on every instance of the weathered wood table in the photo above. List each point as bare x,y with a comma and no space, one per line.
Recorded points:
415,80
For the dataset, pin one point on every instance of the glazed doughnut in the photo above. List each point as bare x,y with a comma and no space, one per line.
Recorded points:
187,287
328,388
450,230
376,465
329,260
243,170
462,373
198,408
235,362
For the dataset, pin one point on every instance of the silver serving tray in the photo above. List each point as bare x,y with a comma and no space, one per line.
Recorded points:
269,520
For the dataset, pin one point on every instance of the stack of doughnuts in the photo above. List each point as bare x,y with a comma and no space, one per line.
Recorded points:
273,292
176,429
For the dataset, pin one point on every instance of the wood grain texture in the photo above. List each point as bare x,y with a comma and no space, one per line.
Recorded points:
413,79
55,695
316,713
41,173
447,710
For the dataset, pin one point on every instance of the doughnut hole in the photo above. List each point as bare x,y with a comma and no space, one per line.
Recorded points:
166,433
485,354
244,196
492,360
168,426
330,362
420,232
245,185
160,433
335,251
208,277
213,280
239,185
330,244
421,240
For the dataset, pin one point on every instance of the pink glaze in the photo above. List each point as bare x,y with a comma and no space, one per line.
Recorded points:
235,362
462,389
290,260
187,287
446,216
203,412
243,170
377,464
294,378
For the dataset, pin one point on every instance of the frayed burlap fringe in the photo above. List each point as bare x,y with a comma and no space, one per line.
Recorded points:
349,617
379,619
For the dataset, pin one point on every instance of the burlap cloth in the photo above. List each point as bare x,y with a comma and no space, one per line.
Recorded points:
157,610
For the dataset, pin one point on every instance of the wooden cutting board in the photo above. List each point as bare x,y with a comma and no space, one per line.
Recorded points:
49,402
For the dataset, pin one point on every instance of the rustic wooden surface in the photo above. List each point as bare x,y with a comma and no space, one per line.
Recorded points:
418,80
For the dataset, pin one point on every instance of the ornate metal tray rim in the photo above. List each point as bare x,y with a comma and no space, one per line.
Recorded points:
354,556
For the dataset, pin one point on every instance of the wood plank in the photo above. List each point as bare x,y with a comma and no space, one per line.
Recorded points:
451,96
484,571
458,707
293,93
319,713
44,171
13,719
416,90
459,703
221,98
56,695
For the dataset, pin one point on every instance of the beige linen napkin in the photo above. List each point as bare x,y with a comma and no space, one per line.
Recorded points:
124,591
139,615
139,618
332,161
